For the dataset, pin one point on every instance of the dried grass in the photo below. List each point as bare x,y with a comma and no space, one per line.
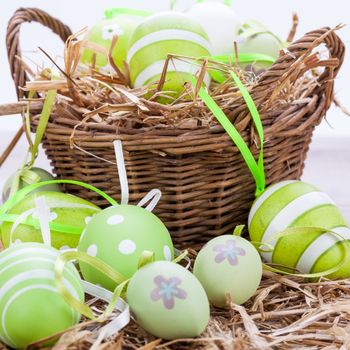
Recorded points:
285,313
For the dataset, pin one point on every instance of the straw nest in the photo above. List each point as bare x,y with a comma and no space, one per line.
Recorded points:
99,101
285,313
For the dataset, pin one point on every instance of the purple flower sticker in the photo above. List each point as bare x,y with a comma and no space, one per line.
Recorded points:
229,251
168,290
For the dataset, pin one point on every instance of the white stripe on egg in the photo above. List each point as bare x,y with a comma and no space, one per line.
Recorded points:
265,195
164,35
319,246
290,213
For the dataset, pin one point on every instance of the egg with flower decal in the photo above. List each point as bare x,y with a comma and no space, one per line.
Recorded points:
231,265
121,26
168,301
31,306
118,236
67,217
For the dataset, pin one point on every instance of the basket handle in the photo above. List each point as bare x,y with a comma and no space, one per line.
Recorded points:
18,70
284,67
24,15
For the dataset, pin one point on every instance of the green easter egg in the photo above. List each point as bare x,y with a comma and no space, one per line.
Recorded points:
168,301
65,209
119,235
228,265
44,176
298,204
31,307
102,34
155,38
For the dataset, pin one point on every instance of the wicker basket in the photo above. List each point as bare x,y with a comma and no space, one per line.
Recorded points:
207,188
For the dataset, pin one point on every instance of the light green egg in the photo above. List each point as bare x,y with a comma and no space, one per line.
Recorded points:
119,235
31,307
65,210
293,203
228,265
102,34
155,38
168,301
43,175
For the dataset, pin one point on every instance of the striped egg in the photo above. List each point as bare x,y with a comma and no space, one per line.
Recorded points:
31,307
158,36
298,204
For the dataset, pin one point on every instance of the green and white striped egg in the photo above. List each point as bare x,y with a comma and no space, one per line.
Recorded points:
298,204
158,36
64,210
31,307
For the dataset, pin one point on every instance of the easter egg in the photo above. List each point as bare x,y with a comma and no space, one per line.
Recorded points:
119,235
65,210
298,204
168,301
255,38
31,307
41,173
228,265
155,38
102,34
220,22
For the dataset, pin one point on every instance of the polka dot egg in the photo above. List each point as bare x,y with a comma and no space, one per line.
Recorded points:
168,301
118,236
298,204
31,307
65,210
228,265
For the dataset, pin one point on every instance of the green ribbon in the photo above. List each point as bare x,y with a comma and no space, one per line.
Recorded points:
116,11
256,168
98,264
18,196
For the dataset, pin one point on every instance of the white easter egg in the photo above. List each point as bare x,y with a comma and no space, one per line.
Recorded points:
220,23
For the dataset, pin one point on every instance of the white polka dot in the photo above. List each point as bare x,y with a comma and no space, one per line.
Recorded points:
127,246
17,241
115,220
53,216
64,247
87,219
92,250
167,253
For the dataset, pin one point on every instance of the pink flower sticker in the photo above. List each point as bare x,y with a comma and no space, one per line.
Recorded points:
168,290
229,251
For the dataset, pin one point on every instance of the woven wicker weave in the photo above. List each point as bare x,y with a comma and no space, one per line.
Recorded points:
207,188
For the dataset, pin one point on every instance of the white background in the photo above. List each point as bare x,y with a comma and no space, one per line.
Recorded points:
274,13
